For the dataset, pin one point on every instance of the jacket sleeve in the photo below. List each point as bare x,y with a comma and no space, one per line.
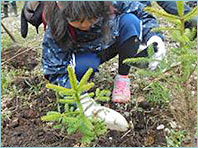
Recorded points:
54,58
55,61
171,7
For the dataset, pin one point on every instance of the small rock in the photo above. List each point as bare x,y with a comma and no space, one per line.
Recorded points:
126,114
149,141
96,74
30,114
167,131
49,124
160,127
144,105
135,86
115,64
110,138
27,72
187,140
179,126
172,107
173,124
113,68
80,145
193,93
189,86
14,123
140,99
131,126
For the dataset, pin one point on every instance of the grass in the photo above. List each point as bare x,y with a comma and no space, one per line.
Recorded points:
6,42
30,41
182,107
7,79
158,94
175,138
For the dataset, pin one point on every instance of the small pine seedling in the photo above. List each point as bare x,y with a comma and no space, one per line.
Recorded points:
74,121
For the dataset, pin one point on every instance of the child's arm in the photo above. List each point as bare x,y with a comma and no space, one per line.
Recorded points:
55,61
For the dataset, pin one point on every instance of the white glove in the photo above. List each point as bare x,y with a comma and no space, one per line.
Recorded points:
113,119
161,51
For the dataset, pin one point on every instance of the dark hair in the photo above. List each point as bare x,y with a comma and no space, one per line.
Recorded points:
58,17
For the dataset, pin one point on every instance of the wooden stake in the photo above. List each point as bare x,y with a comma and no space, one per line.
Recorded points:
8,32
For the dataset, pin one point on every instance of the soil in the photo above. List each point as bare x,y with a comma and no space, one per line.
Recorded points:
25,129
20,58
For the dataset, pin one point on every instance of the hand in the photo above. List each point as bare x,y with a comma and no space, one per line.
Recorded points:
159,54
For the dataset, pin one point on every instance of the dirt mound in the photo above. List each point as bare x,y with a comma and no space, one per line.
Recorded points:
20,58
25,129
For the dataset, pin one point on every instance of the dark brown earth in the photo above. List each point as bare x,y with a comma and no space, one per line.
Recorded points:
25,129
20,58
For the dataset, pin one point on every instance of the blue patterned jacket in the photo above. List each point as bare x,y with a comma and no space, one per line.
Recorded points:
55,59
